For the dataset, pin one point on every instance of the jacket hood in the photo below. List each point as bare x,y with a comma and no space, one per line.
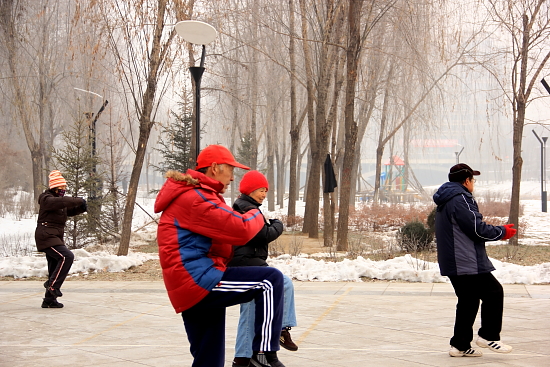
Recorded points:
177,183
449,190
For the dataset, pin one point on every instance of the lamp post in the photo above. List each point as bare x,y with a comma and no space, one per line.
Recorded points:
96,189
93,123
542,170
200,33
458,154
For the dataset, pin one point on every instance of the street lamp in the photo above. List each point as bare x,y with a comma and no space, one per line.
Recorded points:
200,33
545,85
542,170
458,154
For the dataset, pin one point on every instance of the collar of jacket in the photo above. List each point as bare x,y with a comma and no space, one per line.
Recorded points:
195,178
250,200
50,191
177,183
449,190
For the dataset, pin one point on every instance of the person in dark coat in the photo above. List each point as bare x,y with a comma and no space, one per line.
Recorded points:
461,235
55,207
253,188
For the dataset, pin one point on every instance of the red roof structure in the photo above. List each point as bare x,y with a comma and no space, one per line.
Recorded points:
396,161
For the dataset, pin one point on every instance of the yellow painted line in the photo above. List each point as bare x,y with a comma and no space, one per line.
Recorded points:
17,299
320,318
119,324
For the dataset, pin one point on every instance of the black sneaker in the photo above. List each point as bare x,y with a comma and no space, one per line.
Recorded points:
51,304
241,362
265,359
273,360
286,341
258,360
55,292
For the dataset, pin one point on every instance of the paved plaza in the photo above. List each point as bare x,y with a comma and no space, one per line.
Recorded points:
131,324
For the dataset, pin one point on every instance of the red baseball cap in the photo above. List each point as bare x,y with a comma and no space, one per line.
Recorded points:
217,154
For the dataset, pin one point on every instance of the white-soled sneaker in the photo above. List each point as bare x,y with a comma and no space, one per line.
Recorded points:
495,346
467,353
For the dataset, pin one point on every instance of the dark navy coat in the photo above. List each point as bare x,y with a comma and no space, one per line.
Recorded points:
461,233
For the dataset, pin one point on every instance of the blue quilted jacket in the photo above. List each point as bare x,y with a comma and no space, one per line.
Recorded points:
461,233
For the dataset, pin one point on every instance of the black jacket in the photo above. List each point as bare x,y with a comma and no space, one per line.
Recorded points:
52,215
255,252
461,233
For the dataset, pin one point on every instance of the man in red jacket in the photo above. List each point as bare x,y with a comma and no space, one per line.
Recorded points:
196,235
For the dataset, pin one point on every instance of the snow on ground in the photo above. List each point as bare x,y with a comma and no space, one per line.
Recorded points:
85,262
20,235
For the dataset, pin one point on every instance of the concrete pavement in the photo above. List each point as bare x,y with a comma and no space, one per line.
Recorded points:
131,324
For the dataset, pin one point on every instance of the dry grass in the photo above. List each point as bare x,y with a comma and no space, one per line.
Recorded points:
520,255
383,217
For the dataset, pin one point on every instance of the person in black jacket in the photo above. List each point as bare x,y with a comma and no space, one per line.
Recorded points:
52,215
253,188
461,235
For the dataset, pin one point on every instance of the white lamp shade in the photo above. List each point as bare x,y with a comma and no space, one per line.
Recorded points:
196,32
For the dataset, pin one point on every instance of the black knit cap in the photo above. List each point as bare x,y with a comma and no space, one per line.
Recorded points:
460,172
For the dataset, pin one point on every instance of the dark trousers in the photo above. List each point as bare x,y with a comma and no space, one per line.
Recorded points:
470,289
60,259
205,322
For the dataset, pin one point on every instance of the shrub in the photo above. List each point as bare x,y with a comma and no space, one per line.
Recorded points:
414,236
431,220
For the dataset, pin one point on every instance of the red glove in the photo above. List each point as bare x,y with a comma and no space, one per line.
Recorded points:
510,232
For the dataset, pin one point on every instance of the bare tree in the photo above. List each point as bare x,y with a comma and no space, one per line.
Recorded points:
318,87
352,60
136,28
34,49
527,22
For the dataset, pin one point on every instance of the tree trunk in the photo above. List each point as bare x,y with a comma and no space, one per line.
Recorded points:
516,169
270,151
312,209
132,193
320,132
145,124
254,92
520,106
352,57
522,91
329,199
294,131
21,102
280,158
381,141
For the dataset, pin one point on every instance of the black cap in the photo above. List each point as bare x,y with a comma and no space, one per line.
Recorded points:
460,172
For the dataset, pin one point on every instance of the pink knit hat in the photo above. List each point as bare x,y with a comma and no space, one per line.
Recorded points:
253,180
56,180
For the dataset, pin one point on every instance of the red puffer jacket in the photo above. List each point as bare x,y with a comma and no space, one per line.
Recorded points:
196,235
